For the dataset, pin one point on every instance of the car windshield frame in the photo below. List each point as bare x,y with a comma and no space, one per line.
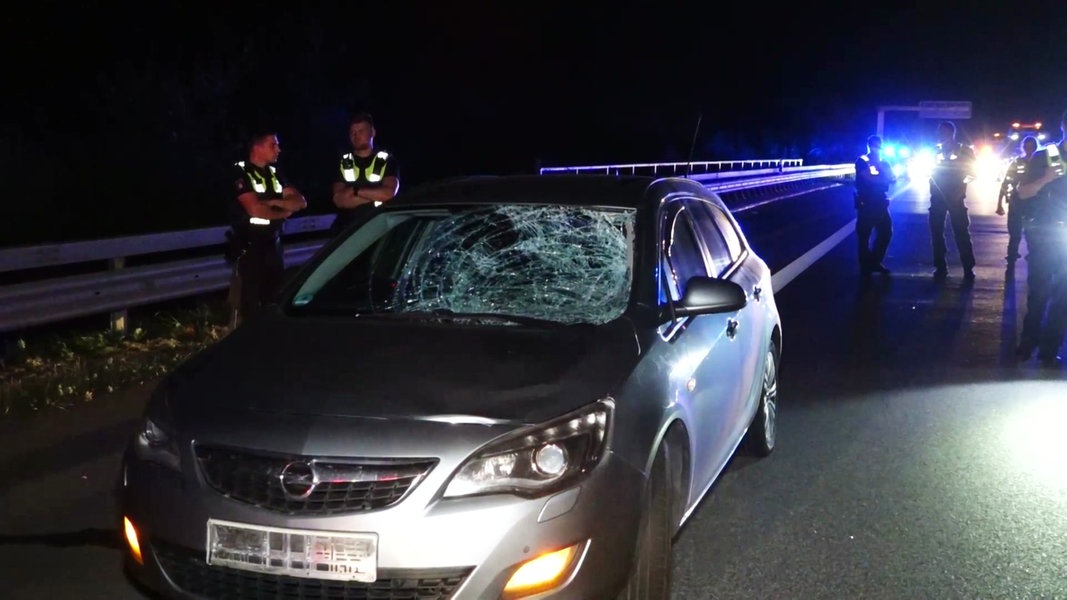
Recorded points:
504,263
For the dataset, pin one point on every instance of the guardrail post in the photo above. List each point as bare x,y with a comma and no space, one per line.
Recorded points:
118,317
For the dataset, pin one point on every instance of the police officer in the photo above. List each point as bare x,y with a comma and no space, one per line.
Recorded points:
366,178
952,172
874,177
1044,189
1009,194
262,202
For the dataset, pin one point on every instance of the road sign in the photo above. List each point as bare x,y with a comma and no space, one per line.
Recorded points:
944,109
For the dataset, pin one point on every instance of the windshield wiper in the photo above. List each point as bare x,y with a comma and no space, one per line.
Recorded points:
438,314
321,310
447,314
520,319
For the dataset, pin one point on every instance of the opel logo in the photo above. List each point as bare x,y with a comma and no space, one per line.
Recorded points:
298,479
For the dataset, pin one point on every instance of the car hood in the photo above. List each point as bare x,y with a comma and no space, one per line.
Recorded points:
382,368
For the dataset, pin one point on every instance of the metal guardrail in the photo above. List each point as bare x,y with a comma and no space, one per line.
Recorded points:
789,176
54,255
51,300
672,169
118,288
769,172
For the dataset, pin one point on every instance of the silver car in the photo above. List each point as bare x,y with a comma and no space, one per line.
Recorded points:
491,387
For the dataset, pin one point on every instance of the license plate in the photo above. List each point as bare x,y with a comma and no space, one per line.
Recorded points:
299,552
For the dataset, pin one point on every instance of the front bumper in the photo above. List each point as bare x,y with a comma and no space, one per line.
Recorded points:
428,547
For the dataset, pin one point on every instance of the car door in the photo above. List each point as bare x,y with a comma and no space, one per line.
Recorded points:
705,358
728,256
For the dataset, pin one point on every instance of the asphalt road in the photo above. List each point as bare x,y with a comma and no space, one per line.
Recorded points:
915,459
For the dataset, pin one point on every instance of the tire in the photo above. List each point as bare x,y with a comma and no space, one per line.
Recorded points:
651,575
763,432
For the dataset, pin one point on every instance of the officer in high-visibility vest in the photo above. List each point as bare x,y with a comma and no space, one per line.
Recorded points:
1009,195
874,177
1044,190
366,177
262,202
954,169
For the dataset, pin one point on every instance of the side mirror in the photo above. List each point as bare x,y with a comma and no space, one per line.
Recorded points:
707,295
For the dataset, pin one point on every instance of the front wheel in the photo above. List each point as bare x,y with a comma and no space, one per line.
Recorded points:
764,428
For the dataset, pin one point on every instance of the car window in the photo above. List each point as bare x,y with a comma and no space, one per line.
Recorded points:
729,232
719,235
683,256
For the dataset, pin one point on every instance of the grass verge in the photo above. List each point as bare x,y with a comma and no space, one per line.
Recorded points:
56,372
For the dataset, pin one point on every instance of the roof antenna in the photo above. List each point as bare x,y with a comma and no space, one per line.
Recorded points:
692,147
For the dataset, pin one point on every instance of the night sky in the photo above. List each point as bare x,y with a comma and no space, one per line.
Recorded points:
125,120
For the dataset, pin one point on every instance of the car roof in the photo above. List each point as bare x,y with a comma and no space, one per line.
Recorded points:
578,190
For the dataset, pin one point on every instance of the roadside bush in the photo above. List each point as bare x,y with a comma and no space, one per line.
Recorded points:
57,372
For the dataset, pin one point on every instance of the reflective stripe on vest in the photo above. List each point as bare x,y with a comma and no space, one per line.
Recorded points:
870,166
258,182
941,155
374,172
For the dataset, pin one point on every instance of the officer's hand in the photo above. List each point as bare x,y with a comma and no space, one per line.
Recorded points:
1000,210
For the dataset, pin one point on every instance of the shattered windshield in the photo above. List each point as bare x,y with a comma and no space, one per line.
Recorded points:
565,264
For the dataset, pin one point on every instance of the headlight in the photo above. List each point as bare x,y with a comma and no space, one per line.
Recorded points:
155,441
540,459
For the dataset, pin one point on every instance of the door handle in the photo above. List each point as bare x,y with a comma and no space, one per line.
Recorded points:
731,328
756,292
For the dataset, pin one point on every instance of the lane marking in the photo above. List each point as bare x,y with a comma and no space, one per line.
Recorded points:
782,278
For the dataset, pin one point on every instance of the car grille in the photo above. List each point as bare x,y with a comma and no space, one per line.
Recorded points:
189,572
336,486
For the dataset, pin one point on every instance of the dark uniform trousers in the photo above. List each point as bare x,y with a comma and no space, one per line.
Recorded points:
258,269
1016,207
873,218
956,211
1046,295
1015,227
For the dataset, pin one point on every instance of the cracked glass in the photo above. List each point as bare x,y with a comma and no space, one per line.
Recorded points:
559,263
